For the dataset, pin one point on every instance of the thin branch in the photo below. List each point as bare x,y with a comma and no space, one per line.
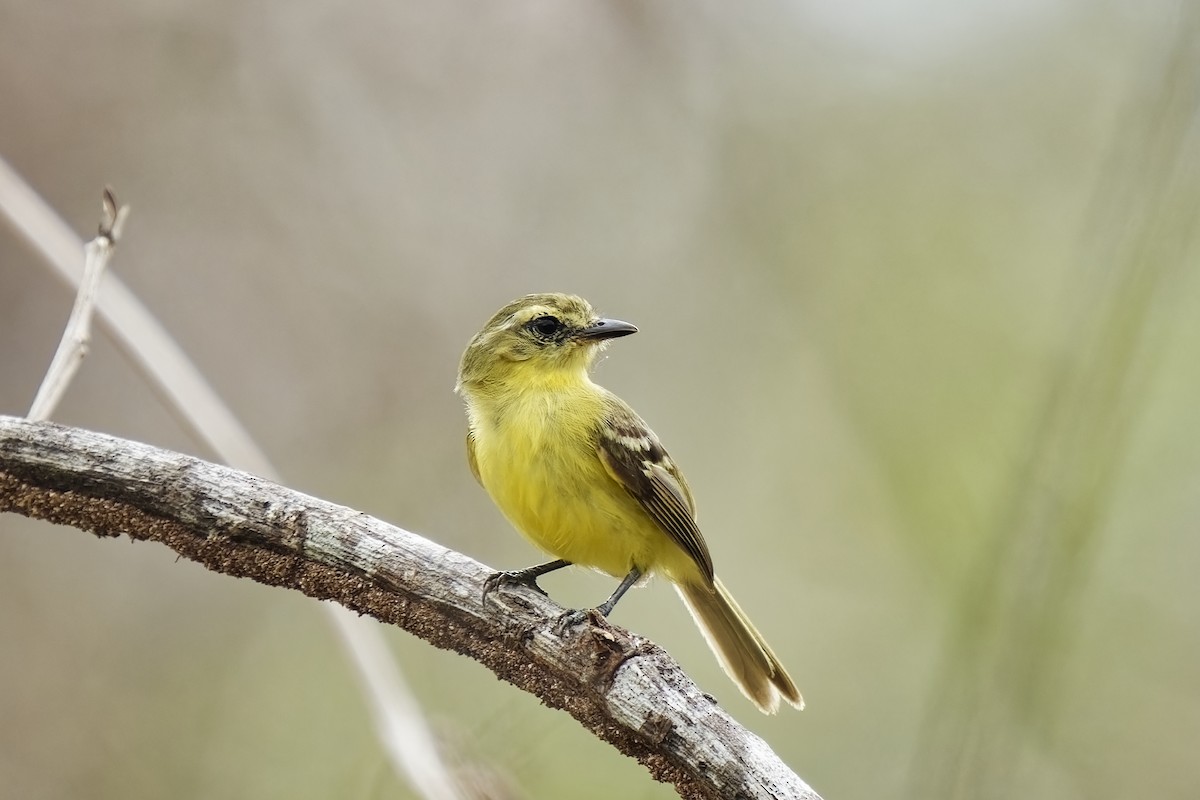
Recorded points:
133,328
78,331
623,688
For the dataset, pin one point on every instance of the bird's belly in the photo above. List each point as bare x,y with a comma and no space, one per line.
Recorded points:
568,506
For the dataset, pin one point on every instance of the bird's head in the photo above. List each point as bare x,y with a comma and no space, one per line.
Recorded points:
538,334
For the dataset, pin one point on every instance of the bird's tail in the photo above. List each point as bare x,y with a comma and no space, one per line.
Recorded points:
743,653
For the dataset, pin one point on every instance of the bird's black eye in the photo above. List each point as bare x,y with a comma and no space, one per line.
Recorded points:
545,327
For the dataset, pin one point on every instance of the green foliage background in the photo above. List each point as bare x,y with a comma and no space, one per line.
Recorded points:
919,319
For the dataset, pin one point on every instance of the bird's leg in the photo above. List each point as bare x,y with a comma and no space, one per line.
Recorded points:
607,606
522,577
572,618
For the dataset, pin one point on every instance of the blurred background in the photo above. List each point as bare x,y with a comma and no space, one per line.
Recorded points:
918,319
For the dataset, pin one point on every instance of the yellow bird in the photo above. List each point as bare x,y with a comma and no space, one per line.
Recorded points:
576,471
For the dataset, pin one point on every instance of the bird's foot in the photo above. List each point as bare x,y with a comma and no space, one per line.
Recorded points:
519,577
575,617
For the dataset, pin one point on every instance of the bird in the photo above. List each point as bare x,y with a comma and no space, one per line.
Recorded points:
576,471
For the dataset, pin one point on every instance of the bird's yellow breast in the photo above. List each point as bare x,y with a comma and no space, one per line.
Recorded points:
536,454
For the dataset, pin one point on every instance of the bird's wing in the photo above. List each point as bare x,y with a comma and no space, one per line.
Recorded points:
634,458
471,462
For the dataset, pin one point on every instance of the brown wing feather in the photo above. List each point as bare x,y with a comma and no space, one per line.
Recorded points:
634,458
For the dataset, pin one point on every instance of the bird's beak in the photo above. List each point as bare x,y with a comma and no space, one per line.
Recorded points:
606,329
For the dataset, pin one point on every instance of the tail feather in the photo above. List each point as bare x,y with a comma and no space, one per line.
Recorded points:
740,649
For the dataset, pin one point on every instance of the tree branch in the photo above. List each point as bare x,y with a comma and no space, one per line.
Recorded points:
622,687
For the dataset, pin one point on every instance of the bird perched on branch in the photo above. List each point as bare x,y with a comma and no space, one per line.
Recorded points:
576,471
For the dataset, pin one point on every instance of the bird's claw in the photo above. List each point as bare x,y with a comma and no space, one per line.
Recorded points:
569,619
511,578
